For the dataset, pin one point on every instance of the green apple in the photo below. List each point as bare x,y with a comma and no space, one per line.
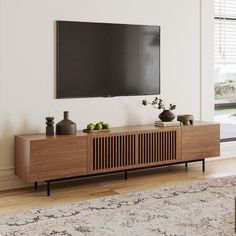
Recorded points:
106,126
98,126
102,123
90,126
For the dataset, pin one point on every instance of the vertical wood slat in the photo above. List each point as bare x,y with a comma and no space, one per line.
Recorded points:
96,153
150,147
107,156
130,149
139,149
162,151
146,148
156,147
94,159
167,145
174,142
134,150
153,147
99,153
142,150
113,151
125,151
104,154
109,145
110,151
117,151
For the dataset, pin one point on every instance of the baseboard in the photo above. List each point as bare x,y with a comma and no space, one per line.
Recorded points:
228,149
8,179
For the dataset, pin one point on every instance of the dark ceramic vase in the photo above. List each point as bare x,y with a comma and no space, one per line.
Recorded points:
66,126
167,116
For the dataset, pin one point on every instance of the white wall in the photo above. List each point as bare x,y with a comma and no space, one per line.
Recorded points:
27,63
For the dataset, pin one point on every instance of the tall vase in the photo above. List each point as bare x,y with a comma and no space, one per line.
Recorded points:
66,126
167,116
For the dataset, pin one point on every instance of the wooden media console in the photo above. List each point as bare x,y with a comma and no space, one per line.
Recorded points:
51,158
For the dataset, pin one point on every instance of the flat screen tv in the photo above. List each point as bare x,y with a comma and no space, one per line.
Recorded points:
103,59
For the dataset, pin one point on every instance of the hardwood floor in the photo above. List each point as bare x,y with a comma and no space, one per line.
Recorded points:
83,189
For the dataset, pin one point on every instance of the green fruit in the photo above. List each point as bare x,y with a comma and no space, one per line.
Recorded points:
102,123
90,126
98,126
106,126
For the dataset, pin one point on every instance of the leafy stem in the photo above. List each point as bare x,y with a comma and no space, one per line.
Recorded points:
157,103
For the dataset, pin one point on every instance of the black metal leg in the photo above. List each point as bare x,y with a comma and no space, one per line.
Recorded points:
125,174
48,188
35,185
186,164
203,165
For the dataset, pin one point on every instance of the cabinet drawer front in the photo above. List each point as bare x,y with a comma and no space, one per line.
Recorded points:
57,146
200,142
56,166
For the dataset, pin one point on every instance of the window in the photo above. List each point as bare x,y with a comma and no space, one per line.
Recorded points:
225,67
225,51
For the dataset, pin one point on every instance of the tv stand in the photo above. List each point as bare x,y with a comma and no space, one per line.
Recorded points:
41,158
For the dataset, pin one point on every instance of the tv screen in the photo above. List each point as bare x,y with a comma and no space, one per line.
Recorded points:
103,59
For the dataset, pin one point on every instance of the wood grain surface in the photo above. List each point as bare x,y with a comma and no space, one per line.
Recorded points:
200,141
39,157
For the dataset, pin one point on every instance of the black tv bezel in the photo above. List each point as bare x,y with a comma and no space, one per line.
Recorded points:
108,95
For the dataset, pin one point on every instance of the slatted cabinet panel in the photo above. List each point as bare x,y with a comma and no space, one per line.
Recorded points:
157,147
127,151
111,152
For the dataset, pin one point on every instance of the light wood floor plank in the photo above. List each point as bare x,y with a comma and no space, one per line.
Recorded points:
84,189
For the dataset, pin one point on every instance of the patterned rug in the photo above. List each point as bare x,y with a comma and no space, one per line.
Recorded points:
202,208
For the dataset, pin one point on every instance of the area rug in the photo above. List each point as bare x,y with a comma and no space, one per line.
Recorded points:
202,208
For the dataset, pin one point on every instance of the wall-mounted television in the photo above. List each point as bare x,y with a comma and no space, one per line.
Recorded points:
103,59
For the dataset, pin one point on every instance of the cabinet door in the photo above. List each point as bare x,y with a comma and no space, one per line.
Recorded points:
200,141
57,158
108,153
159,147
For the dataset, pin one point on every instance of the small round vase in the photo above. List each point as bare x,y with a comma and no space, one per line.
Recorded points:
66,126
167,116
